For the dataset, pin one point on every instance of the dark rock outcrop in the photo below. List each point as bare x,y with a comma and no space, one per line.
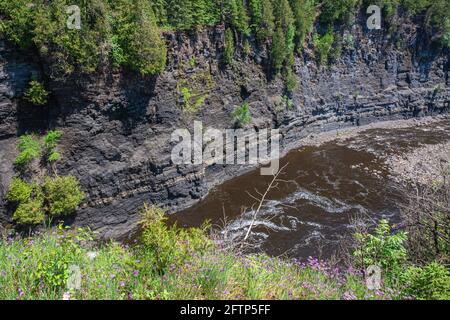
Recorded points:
118,125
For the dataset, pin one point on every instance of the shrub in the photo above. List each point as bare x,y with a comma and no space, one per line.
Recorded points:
291,82
242,116
427,221
19,191
228,53
187,96
29,200
30,148
430,282
36,93
323,44
169,246
30,212
383,249
63,195
50,142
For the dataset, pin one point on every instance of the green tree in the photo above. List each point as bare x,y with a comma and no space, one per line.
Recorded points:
283,39
322,46
305,13
160,9
205,12
278,52
139,37
262,19
236,15
229,50
333,11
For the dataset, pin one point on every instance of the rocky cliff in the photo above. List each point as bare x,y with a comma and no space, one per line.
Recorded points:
117,125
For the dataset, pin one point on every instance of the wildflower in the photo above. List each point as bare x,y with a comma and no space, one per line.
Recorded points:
92,255
66,296
348,295
135,273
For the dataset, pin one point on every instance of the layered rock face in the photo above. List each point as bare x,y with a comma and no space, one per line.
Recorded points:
117,126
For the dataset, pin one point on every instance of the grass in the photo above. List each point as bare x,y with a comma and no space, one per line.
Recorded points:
168,263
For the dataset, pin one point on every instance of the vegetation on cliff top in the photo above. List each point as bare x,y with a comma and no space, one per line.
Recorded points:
128,32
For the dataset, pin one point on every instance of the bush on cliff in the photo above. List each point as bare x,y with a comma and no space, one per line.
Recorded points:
56,197
36,93
62,194
30,149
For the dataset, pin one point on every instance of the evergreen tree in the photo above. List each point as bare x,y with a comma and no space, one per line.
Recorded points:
278,52
159,8
236,15
262,19
180,14
229,50
304,13
139,36
204,12
283,41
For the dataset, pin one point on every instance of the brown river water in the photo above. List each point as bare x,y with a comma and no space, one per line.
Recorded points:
326,186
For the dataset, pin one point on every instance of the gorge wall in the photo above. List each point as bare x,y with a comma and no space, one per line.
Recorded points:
117,125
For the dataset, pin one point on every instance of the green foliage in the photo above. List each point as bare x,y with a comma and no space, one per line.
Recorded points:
50,143
230,49
36,93
305,14
63,195
431,282
19,191
29,213
415,6
138,37
383,249
333,11
70,50
173,263
242,115
167,263
278,53
438,20
165,246
57,196
187,14
124,30
236,15
262,19
323,45
28,200
282,53
291,82
287,102
30,149
188,96
388,7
